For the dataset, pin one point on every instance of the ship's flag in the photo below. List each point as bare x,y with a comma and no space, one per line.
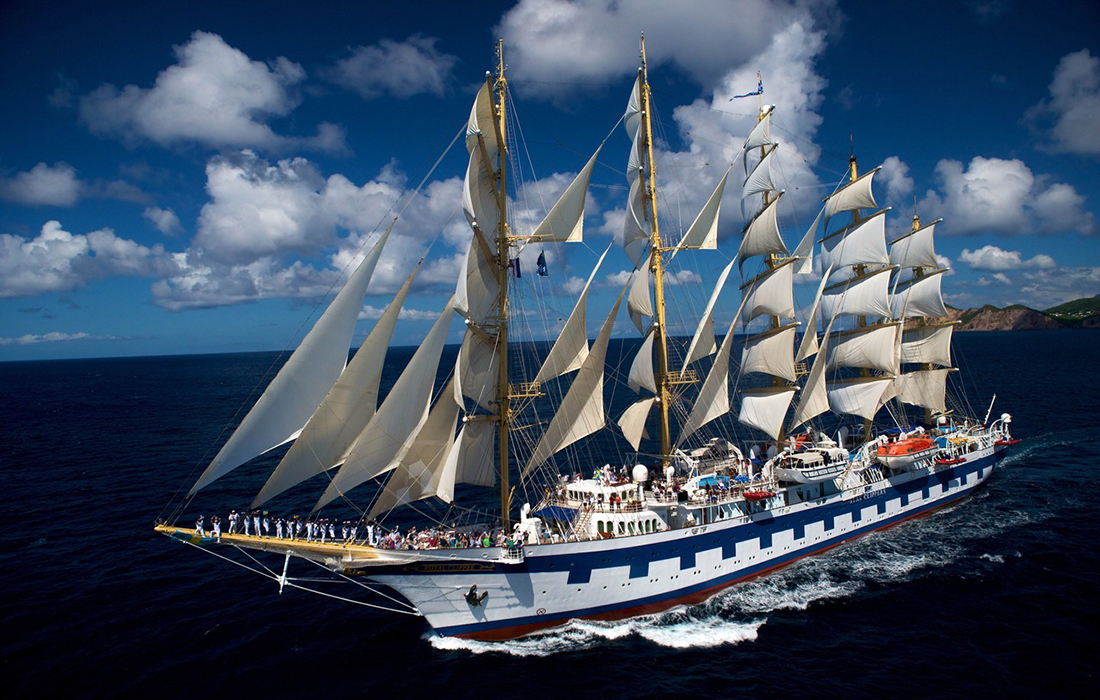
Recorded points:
514,264
541,262
759,90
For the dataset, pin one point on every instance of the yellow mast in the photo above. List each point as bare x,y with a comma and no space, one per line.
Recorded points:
853,175
500,87
656,267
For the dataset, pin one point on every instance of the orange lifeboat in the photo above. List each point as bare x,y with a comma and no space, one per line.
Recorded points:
903,453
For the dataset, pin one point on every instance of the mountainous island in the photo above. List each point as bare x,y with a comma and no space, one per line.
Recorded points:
1080,313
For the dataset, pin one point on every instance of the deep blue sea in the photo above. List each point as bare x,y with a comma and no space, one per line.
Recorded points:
998,596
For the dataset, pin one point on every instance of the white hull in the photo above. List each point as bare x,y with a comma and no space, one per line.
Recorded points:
626,576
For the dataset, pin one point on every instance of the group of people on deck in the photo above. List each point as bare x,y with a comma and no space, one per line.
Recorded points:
325,530
262,524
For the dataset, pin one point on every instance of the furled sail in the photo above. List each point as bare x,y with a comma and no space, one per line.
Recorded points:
581,412
571,347
417,475
303,382
403,412
344,413
854,195
915,249
771,293
565,221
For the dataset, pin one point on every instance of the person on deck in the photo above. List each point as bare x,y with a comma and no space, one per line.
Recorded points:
199,528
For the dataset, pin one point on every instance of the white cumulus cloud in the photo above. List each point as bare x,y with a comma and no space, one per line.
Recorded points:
994,195
1073,109
165,220
57,260
43,184
994,259
401,69
214,94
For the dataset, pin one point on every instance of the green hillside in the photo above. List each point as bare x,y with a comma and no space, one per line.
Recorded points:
1076,310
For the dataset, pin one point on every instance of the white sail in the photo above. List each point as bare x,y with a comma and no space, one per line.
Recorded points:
926,388
808,346
765,409
477,371
761,236
770,352
761,133
639,303
859,244
760,179
804,253
862,396
814,399
481,123
303,382
641,370
703,232
928,344
919,297
469,459
635,237
343,414
565,221
865,295
871,348
417,475
476,291
770,293
632,422
571,347
581,412
713,400
388,433
632,119
854,195
915,249
702,342
479,198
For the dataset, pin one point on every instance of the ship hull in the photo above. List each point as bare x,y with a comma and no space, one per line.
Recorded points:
625,577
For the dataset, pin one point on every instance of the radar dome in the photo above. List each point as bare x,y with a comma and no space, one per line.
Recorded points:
640,474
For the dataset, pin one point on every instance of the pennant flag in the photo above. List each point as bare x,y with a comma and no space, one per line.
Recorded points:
759,90
541,262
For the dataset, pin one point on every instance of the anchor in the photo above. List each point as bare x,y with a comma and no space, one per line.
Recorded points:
474,598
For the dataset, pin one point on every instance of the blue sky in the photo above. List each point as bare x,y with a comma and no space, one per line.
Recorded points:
194,177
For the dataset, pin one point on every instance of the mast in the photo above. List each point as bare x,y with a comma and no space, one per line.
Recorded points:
771,260
656,267
853,175
500,87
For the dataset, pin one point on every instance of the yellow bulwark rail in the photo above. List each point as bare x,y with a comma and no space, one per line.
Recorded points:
328,550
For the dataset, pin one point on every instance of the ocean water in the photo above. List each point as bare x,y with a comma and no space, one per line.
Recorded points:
996,596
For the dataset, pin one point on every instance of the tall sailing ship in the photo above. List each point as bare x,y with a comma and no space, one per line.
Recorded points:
842,432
